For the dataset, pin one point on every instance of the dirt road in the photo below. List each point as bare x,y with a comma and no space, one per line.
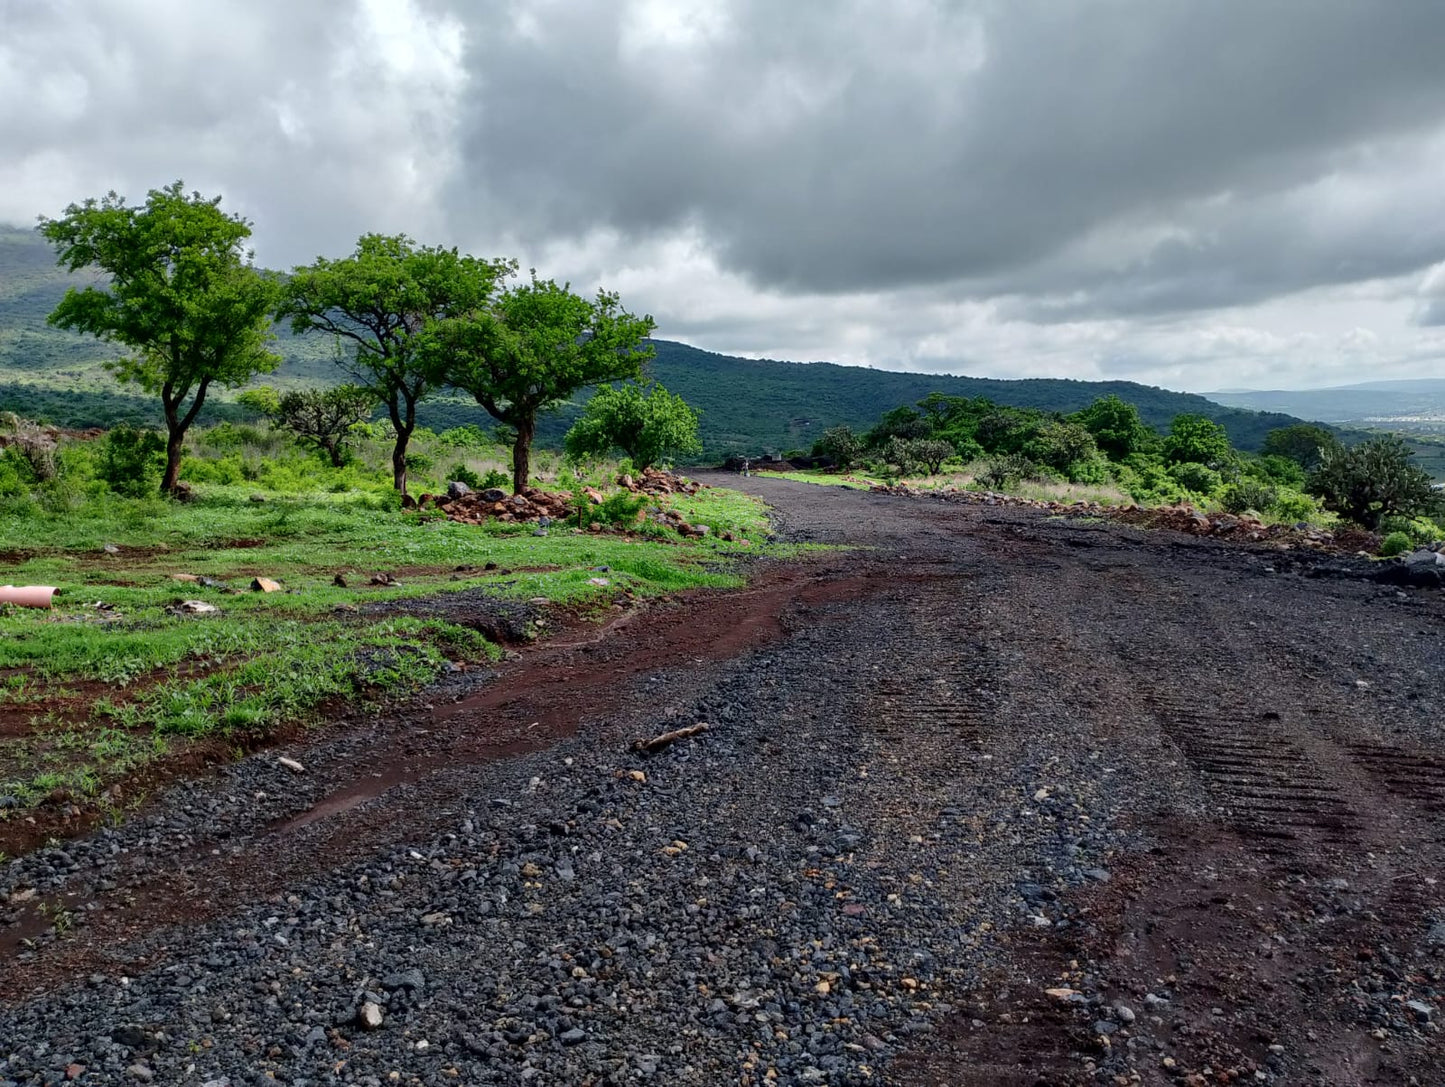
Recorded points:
987,798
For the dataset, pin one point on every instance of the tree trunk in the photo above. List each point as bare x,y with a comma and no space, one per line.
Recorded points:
334,450
398,462
175,437
405,422
522,454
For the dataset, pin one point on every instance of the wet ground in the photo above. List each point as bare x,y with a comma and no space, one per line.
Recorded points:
988,797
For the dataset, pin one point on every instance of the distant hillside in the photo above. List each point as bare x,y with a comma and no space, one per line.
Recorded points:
1420,402
747,405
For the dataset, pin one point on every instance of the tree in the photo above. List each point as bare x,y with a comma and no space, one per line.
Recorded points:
1116,426
378,302
840,445
930,452
1370,481
530,349
322,418
1302,443
1060,444
1197,440
181,293
645,425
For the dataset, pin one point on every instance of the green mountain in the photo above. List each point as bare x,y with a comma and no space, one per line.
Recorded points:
747,405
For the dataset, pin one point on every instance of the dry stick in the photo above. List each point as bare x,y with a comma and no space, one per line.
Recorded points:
657,743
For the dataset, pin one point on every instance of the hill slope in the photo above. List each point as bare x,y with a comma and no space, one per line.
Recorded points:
747,405
1418,402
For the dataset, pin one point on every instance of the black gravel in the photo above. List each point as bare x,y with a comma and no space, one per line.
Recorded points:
798,895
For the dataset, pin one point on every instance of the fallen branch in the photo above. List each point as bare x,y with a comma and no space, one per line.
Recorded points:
657,743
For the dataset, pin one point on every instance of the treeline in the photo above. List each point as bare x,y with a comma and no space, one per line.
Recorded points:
174,286
1300,469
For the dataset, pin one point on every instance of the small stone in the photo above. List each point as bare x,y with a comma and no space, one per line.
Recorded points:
291,764
1125,1014
572,1037
1063,992
1423,1012
141,1072
264,585
370,1015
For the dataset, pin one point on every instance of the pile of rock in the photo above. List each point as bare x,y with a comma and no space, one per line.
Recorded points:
655,481
469,507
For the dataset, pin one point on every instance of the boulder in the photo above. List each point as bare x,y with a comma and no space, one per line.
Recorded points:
457,489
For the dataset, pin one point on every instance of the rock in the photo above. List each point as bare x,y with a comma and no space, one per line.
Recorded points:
493,494
1063,993
291,764
1434,938
1125,1013
110,549
141,1072
1422,1012
370,1015
405,979
195,607
189,579
264,585
572,1037
339,581
1098,875
598,581
457,489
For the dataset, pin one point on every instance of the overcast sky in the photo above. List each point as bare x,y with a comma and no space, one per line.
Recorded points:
1203,195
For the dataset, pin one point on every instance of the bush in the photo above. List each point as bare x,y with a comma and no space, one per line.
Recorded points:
1002,472
1396,543
226,470
131,461
1196,477
621,509
1293,506
462,474
1248,494
1372,480
495,477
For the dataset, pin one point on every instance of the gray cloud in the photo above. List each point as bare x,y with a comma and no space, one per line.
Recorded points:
833,149
1181,191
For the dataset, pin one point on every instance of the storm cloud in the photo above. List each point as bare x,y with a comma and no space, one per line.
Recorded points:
1199,194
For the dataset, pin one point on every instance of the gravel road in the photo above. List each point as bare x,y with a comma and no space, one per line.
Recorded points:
987,797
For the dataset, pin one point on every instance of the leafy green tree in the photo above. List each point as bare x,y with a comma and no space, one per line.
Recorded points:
530,349
930,452
1302,443
180,292
647,426
902,422
1060,444
840,445
1372,480
1116,426
324,418
1196,440
378,302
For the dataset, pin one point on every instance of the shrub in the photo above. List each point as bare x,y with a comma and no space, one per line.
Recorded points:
1196,477
462,474
1002,472
1290,505
495,477
1248,494
621,508
1396,543
131,461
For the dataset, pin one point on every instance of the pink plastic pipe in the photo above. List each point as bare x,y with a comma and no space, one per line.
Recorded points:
27,596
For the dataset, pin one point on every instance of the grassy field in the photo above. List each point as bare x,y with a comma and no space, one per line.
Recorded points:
120,673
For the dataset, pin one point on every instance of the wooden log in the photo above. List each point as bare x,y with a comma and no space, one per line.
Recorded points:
657,743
